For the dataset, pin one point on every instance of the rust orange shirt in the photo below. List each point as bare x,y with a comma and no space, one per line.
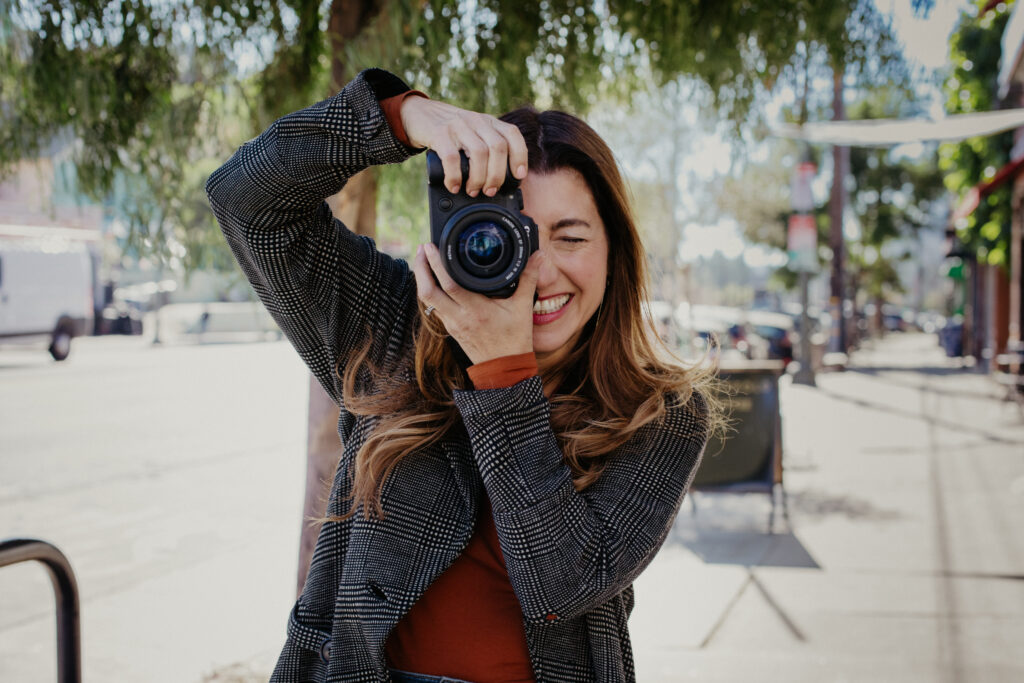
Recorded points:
468,624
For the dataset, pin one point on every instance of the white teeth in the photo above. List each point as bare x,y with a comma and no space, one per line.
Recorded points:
550,305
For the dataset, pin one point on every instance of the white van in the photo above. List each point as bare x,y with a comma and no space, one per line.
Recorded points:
46,286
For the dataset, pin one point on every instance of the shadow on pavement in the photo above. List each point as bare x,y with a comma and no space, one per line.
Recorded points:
723,528
888,375
935,370
732,529
745,548
819,504
936,422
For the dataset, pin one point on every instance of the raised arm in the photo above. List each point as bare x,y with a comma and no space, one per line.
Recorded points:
567,551
325,286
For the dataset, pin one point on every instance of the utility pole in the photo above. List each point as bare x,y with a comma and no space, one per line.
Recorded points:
840,157
802,239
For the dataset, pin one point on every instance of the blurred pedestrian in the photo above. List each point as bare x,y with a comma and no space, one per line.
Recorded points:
204,322
510,465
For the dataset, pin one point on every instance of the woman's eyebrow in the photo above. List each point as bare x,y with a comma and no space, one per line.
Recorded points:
568,222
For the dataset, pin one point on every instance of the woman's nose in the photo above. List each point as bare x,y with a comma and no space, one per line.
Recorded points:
548,270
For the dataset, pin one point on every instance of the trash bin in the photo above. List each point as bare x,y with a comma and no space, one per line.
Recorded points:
951,336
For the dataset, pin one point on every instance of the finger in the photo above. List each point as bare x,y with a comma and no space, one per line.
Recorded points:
427,289
452,165
497,159
518,157
451,288
528,278
476,150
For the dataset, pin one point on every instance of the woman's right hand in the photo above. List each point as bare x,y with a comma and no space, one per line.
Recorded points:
491,145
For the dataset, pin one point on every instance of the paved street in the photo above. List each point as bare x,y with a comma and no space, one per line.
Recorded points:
172,478
164,472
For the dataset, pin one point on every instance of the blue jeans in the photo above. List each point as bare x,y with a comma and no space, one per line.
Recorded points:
407,677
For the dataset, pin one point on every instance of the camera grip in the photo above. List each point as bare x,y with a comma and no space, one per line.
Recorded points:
435,171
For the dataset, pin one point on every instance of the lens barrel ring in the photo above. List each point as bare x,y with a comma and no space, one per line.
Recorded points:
476,214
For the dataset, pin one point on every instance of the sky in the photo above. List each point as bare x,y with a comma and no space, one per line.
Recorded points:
925,40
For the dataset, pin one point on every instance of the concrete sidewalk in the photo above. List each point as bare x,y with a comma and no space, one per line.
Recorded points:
903,561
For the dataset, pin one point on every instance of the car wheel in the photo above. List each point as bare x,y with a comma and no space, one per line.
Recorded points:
60,347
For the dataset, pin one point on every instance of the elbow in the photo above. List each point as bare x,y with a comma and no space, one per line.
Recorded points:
583,596
215,194
222,193
597,579
551,615
548,619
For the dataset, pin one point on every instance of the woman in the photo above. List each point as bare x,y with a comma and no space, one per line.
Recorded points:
509,465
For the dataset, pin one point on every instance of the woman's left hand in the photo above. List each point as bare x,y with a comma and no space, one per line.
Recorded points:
485,328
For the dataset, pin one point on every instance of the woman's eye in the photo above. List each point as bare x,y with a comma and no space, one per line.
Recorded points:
573,239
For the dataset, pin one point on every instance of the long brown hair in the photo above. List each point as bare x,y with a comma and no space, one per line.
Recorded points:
618,377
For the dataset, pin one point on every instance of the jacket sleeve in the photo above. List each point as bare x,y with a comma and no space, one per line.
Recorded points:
326,287
567,551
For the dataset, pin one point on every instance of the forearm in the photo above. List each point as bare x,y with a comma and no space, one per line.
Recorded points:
304,157
568,551
324,285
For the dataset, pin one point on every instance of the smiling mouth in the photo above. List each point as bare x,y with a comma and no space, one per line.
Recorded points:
551,305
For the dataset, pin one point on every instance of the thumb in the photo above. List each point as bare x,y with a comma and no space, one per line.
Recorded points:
528,278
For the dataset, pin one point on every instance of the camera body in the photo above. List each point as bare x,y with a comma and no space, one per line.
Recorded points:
484,241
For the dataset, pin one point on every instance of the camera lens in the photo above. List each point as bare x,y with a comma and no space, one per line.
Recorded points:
482,247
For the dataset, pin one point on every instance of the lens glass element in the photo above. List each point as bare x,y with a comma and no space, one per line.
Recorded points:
482,245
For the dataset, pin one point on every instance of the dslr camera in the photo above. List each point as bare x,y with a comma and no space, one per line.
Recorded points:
483,241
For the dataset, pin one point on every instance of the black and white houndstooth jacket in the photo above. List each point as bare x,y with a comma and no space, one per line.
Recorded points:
571,557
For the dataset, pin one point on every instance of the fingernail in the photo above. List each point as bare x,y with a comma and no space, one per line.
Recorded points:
491,191
473,193
419,250
453,188
520,171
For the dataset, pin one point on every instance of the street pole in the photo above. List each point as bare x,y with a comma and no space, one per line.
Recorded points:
835,212
802,243
805,374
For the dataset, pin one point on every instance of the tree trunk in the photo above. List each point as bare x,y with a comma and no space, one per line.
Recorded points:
356,207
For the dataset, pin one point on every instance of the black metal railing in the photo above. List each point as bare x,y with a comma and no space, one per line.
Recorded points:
69,655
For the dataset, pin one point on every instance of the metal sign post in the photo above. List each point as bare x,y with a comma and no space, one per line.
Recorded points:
802,244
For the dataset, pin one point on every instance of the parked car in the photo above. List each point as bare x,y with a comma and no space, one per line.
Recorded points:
776,329
119,319
893,319
46,289
717,330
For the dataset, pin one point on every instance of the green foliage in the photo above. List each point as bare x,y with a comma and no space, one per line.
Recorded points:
143,96
892,198
152,92
975,51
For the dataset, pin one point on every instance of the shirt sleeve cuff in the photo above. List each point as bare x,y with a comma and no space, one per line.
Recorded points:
392,107
383,83
499,373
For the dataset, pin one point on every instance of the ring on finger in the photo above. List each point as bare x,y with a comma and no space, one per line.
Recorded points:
428,311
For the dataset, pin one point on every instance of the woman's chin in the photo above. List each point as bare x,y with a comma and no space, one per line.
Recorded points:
551,346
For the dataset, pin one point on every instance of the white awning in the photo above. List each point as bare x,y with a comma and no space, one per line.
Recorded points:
887,132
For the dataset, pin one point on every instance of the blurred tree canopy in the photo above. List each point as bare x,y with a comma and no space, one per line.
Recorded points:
892,198
975,50
151,95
